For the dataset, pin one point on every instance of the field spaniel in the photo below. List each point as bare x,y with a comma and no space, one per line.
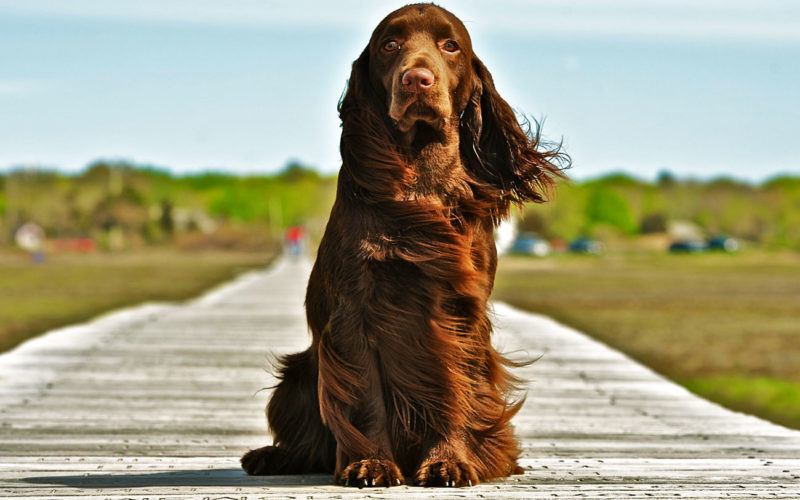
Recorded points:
401,380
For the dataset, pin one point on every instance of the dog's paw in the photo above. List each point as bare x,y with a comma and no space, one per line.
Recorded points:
266,461
449,473
371,472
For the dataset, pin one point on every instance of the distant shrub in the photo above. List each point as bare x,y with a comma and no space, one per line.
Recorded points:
654,223
535,223
605,206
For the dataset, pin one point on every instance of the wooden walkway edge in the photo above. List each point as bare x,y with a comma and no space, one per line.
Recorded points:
160,400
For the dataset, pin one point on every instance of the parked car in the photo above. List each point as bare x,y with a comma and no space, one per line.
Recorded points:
586,245
723,244
530,245
688,246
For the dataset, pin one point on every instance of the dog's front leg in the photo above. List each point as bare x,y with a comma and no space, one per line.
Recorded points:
352,405
377,468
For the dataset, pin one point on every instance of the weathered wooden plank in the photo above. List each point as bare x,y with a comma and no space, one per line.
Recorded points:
159,401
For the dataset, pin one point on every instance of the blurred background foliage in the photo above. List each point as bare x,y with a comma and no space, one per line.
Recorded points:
123,206
616,208
120,205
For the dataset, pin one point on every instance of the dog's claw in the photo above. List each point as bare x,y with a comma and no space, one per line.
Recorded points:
371,472
446,473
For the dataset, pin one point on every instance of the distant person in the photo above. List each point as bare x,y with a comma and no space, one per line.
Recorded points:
294,238
31,237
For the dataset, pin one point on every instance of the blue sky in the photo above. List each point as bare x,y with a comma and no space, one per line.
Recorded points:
702,89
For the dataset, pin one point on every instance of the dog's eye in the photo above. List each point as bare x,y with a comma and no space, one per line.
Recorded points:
391,46
450,46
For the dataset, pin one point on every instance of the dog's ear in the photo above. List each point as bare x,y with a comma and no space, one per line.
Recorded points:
370,156
501,152
358,90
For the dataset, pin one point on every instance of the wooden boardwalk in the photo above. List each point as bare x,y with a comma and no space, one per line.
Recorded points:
159,401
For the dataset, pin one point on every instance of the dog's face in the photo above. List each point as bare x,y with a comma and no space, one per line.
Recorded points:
421,55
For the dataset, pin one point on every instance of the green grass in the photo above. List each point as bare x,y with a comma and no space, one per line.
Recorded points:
774,399
73,288
726,326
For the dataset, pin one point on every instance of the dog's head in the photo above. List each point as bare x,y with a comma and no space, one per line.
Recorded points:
418,82
421,61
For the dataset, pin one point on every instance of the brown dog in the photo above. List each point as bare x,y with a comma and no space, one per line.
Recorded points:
401,378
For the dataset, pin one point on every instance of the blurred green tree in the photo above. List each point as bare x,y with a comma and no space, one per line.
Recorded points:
606,206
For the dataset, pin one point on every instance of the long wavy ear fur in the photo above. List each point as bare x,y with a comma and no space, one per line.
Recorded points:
371,160
358,91
508,156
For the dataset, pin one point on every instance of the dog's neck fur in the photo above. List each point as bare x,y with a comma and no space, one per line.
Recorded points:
439,171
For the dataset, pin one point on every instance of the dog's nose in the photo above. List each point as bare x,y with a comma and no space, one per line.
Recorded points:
418,79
